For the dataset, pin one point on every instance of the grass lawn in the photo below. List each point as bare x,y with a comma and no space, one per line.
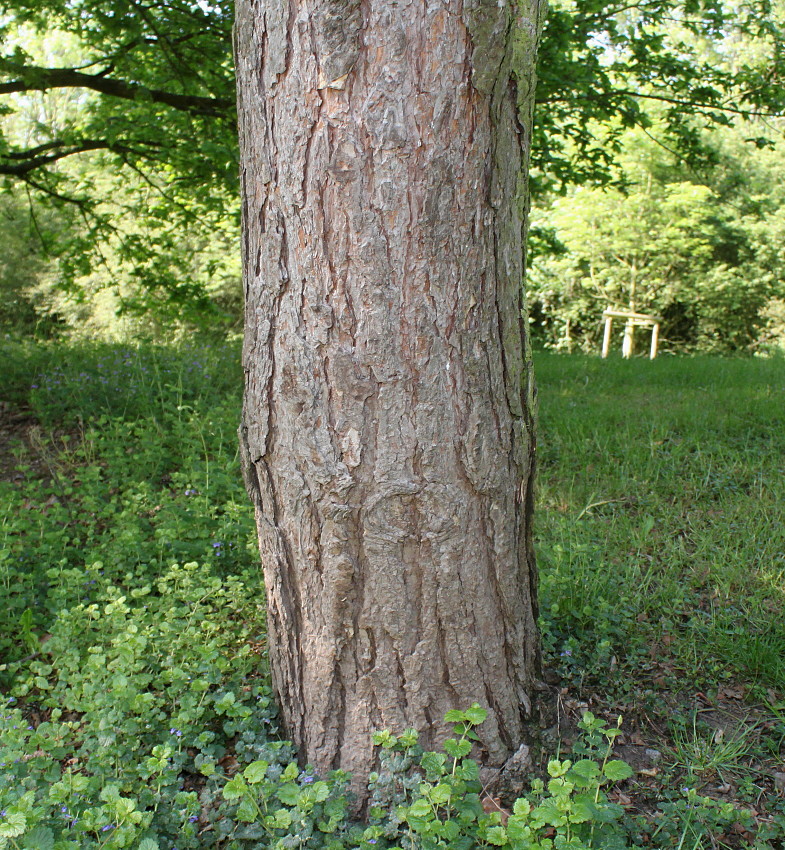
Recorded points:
137,711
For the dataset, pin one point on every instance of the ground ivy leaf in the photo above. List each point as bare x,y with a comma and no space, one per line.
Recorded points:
617,770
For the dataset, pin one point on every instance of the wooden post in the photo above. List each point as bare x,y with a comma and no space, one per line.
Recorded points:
606,338
627,342
655,335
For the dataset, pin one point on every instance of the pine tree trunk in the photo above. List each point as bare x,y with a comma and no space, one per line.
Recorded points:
387,432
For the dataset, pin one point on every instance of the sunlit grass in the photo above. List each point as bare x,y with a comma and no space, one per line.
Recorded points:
661,493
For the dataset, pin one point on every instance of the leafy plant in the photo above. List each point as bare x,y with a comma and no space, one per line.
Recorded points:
443,809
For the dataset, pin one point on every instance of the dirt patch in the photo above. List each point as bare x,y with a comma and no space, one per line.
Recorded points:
16,448
27,449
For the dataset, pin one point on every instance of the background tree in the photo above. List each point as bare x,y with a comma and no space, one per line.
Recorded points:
699,247
387,429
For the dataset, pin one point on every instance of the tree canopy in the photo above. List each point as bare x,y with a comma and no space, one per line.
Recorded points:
129,120
162,73
163,80
672,69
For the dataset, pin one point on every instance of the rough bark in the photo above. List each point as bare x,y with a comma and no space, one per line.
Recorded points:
387,430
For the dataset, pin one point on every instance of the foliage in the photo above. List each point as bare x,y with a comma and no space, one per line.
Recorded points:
24,262
141,694
691,819
152,216
445,811
658,532
143,456
274,801
163,71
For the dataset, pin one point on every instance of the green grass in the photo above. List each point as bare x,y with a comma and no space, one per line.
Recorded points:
132,644
661,493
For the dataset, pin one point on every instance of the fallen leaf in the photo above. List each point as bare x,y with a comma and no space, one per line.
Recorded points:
490,804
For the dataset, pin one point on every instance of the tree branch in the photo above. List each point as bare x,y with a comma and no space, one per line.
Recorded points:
677,101
21,163
28,161
42,79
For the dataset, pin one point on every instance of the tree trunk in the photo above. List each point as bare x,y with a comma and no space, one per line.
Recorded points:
387,432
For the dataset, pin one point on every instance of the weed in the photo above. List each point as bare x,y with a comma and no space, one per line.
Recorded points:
702,751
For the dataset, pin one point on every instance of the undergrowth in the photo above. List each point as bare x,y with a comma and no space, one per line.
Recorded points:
137,710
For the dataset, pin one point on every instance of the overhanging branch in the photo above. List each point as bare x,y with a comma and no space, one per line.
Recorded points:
35,78
21,163
704,106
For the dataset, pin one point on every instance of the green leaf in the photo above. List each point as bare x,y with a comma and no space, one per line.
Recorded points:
496,835
521,807
246,811
14,824
110,793
476,715
457,749
584,772
291,772
320,791
409,738
617,770
420,809
41,838
384,739
548,812
234,788
558,768
518,830
330,825
449,830
256,772
280,819
288,794
433,763
148,844
440,794
582,811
